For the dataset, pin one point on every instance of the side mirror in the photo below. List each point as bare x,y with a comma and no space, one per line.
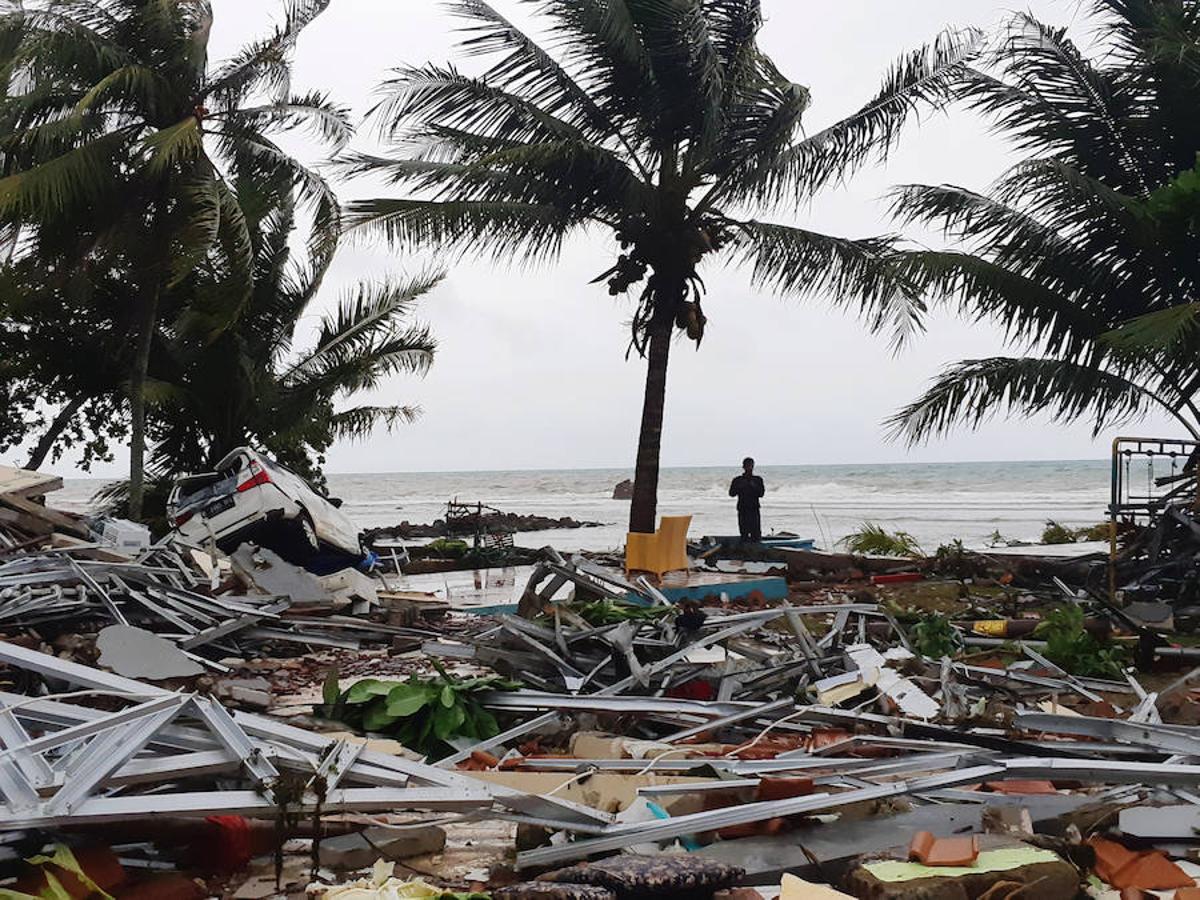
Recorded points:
335,502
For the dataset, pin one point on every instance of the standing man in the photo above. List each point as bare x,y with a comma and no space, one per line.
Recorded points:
749,489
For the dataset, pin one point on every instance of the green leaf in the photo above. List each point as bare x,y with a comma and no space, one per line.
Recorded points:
63,858
446,721
486,725
406,699
378,718
448,696
469,728
363,691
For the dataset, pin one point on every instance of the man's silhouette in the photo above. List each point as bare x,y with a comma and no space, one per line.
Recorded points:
749,489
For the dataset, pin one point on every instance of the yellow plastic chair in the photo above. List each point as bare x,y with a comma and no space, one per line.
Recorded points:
661,552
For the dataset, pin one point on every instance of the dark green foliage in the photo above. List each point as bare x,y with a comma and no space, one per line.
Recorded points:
1057,534
421,713
1072,648
448,548
608,612
1087,252
934,637
128,160
953,560
872,539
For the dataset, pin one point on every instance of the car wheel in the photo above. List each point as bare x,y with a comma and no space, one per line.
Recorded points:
306,536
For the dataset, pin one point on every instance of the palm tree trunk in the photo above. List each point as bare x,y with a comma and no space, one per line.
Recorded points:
643,512
137,407
64,417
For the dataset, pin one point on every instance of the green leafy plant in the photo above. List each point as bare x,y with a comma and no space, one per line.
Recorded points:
1100,532
448,548
872,539
934,637
955,561
1055,533
611,612
1070,647
1060,534
422,713
61,861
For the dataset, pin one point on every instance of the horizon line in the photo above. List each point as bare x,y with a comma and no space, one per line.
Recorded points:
695,467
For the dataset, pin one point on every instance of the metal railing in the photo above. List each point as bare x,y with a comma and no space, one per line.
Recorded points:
1149,475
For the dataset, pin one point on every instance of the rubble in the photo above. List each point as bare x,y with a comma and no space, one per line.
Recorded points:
977,730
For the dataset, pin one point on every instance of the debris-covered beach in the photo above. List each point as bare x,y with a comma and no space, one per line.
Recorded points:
767,719
350,548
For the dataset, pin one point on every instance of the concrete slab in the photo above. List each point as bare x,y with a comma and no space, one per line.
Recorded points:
137,653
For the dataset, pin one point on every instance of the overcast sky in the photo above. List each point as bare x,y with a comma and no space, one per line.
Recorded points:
531,372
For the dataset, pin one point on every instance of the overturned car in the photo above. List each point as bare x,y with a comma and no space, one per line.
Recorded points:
250,497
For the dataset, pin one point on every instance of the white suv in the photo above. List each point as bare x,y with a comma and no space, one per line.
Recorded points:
252,498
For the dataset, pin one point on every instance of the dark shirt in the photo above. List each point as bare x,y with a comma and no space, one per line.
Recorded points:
748,489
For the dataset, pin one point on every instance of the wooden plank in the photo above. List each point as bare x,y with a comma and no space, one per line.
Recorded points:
27,483
56,520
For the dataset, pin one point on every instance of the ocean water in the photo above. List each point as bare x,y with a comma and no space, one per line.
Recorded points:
934,502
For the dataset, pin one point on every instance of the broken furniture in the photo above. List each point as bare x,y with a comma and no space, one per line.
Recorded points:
661,552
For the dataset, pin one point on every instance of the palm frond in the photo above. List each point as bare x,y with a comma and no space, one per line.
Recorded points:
70,180
257,157
850,272
371,313
263,65
122,84
1051,97
583,177
201,199
168,148
763,119
503,231
528,71
443,98
688,78
68,32
406,351
1025,307
602,45
1165,330
971,392
360,422
924,78
313,111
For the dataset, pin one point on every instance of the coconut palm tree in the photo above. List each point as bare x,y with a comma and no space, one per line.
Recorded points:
660,122
120,131
1087,251
255,385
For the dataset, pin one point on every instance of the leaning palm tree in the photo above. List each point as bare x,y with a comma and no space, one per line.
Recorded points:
120,132
1087,251
255,385
661,123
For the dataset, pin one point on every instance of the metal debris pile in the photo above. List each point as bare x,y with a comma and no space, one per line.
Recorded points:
818,736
